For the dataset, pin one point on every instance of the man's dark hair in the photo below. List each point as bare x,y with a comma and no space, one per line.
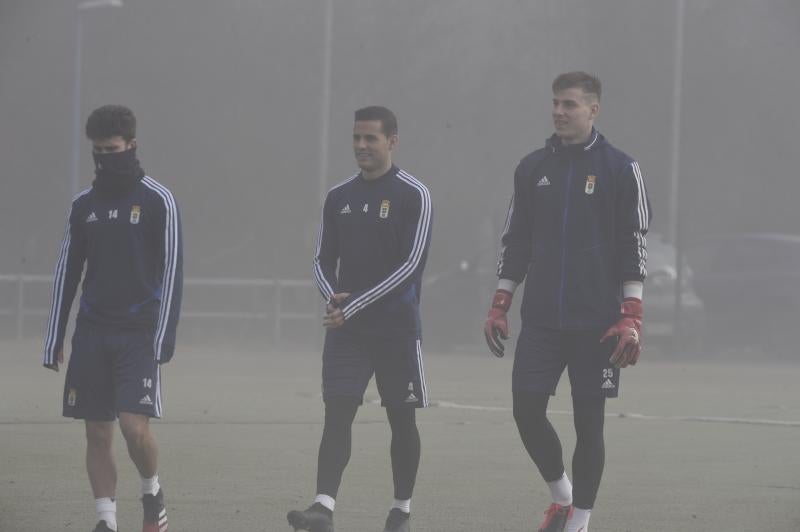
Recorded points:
582,80
376,112
111,121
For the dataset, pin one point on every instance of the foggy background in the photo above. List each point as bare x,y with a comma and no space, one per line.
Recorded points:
229,98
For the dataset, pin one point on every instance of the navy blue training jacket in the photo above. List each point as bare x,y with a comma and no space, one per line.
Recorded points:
576,230
377,232
133,253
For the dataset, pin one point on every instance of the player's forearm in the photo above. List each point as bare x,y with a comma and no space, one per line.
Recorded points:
172,288
394,284
325,276
513,264
632,252
63,295
409,272
515,248
326,257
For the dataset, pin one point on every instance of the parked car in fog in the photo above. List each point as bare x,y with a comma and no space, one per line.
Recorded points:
750,284
659,293
455,300
748,273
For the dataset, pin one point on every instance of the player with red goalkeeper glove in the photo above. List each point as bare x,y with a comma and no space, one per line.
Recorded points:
575,234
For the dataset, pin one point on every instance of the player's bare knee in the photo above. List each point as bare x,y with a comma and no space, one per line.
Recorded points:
135,430
136,438
99,435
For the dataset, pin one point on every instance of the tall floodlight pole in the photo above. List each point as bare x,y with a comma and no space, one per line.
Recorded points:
76,92
326,101
325,110
674,213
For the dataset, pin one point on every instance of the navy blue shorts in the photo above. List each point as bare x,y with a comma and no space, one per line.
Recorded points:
111,371
542,354
349,360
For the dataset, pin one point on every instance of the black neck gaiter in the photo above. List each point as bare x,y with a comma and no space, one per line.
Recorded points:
116,173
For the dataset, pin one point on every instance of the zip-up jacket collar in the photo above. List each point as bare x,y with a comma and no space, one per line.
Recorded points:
596,140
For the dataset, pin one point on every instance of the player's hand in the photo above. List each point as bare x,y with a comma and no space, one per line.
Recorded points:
334,317
496,326
628,331
59,360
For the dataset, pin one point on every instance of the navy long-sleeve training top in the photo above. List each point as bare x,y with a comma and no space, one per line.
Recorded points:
576,230
131,246
373,243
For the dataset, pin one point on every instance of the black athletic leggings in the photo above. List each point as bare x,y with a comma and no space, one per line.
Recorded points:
544,447
336,444
405,449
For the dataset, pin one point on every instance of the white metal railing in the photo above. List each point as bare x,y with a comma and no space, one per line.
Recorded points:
20,310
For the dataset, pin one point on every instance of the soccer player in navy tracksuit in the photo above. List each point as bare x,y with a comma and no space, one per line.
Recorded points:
376,227
126,230
576,233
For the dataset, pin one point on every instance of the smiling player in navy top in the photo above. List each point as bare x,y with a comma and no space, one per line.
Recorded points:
371,252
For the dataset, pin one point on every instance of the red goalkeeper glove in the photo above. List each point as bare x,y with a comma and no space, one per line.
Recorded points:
628,331
496,326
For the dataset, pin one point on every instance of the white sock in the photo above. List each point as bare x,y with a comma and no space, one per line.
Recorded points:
579,522
404,505
561,490
106,509
326,500
150,486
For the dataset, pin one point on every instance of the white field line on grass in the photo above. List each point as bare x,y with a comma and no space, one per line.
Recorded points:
632,415
460,406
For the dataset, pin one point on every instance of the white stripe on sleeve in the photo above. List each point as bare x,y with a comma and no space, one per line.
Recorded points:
409,266
644,218
170,259
322,282
58,288
502,250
